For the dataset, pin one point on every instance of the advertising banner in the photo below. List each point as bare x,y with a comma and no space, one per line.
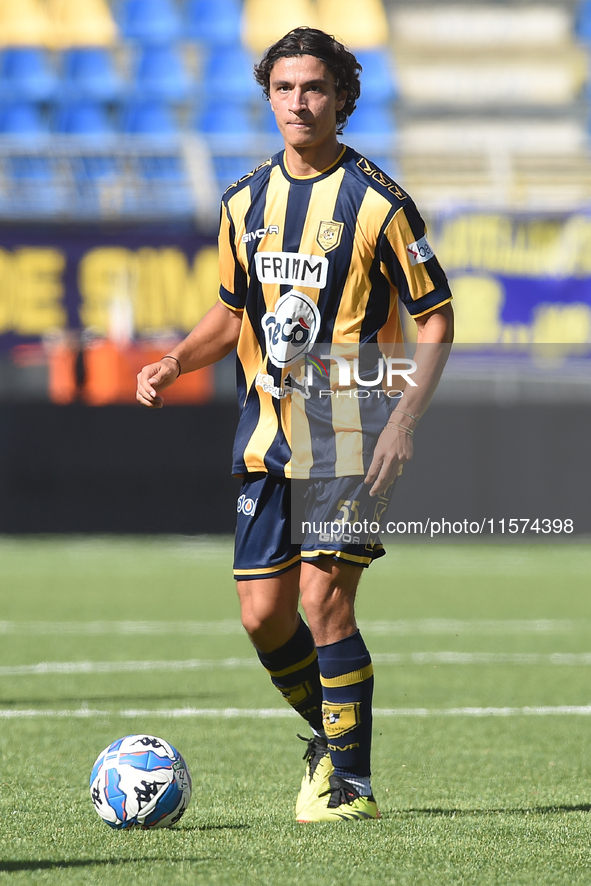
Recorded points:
118,284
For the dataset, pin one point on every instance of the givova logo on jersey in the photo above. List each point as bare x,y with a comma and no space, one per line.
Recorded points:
291,329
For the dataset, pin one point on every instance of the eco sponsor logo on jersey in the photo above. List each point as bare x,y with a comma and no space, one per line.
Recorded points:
419,251
292,268
260,233
246,506
291,329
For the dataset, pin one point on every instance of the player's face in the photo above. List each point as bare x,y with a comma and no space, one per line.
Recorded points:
304,100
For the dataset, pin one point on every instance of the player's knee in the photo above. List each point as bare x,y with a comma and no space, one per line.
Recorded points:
256,621
267,629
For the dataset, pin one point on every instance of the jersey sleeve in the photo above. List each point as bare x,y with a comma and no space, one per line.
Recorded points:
410,264
233,284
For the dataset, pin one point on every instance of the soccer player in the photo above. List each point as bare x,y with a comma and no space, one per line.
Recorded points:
317,246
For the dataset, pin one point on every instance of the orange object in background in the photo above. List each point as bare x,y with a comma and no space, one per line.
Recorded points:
104,374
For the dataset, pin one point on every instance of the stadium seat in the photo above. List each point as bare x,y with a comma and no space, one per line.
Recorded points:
583,21
150,21
161,74
22,119
226,119
227,74
373,119
90,73
32,186
265,21
229,169
150,118
83,118
95,168
168,168
25,73
360,24
25,23
378,81
82,23
165,183
213,22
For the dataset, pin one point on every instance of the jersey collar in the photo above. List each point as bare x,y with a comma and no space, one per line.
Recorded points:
304,178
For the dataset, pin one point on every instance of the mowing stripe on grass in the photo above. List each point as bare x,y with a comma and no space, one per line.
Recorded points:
273,713
228,627
46,668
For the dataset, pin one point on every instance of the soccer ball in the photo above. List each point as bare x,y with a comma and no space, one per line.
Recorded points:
140,781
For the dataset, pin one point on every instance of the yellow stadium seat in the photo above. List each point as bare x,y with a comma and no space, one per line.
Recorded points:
24,23
360,24
265,21
82,23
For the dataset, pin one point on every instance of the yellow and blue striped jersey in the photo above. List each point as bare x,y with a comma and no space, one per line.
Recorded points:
317,260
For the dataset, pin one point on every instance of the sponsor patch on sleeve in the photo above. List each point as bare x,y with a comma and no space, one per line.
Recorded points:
419,252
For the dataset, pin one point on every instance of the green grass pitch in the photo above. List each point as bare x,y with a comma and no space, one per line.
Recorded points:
131,630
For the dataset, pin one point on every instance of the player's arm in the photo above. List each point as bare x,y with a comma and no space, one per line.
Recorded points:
394,446
211,340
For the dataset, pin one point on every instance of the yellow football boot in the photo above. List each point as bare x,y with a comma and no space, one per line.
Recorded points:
318,770
341,802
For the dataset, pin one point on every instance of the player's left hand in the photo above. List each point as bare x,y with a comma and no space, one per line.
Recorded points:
393,449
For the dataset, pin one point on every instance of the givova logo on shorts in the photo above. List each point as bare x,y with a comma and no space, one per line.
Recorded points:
246,506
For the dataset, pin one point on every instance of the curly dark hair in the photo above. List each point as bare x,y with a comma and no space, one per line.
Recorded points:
310,41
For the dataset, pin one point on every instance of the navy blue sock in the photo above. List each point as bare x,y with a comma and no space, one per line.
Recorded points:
346,674
293,669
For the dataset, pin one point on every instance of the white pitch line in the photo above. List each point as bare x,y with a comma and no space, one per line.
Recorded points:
281,713
119,667
47,668
230,627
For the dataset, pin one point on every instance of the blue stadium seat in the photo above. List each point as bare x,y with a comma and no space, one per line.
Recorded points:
229,169
377,79
25,73
165,185
161,74
33,188
150,21
89,73
214,22
22,119
163,168
268,124
30,168
228,75
226,119
150,118
83,118
583,21
95,169
372,119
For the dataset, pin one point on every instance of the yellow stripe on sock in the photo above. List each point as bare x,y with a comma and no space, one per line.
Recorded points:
296,667
348,679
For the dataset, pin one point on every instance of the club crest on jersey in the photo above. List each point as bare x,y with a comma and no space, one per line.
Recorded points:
329,235
291,329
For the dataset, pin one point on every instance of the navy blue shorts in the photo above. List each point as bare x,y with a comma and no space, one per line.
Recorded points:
281,522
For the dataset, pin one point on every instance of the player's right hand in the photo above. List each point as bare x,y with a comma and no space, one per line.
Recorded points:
152,379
